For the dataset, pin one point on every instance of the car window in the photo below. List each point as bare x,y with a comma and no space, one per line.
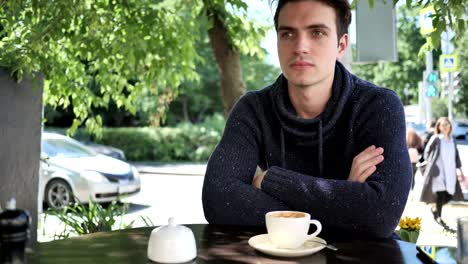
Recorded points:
65,148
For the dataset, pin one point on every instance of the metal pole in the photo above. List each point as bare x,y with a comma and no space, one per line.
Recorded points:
448,48
422,104
429,61
450,96
429,67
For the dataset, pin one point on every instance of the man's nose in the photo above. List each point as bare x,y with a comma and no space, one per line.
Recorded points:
301,45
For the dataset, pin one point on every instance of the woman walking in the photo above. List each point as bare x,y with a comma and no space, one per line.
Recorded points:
441,184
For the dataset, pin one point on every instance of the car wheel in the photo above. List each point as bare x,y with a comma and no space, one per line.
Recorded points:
58,194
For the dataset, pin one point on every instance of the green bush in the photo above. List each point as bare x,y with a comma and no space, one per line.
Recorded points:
439,108
185,142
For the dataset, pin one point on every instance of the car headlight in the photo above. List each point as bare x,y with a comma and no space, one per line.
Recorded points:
94,176
136,174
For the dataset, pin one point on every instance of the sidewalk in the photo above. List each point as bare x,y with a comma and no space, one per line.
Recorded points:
431,232
188,169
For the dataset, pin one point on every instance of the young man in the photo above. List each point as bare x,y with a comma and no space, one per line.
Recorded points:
318,134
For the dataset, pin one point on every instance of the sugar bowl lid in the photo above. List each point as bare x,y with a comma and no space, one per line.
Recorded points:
172,243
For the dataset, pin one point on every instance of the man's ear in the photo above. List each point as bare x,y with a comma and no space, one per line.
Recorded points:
342,45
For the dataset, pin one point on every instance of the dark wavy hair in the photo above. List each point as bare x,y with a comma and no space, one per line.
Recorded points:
341,7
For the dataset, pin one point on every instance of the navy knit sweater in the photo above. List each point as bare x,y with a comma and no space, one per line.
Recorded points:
309,160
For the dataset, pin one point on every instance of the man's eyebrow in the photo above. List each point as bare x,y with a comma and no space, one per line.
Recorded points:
285,28
319,26
313,26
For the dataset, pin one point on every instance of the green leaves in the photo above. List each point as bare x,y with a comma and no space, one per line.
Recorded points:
91,51
83,219
408,236
94,53
461,79
243,34
449,14
185,142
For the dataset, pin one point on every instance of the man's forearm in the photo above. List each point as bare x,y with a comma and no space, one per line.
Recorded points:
228,195
237,203
372,207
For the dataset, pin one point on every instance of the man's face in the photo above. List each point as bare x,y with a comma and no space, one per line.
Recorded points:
308,45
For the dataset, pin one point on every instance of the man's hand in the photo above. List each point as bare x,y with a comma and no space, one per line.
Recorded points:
258,178
365,163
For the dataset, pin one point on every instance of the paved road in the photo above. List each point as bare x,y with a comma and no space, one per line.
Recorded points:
167,196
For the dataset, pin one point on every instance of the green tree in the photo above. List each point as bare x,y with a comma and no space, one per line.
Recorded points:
77,43
461,102
202,97
448,14
439,108
198,100
94,52
231,35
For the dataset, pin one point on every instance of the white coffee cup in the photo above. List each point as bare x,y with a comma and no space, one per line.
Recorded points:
288,229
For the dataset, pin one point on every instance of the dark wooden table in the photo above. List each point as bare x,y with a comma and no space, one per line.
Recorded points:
215,244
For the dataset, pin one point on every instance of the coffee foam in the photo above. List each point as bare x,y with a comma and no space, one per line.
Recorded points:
289,215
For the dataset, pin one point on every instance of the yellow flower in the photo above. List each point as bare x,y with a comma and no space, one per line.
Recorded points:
410,224
409,229
404,226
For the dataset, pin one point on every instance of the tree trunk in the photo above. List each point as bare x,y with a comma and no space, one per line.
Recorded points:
228,61
20,144
185,109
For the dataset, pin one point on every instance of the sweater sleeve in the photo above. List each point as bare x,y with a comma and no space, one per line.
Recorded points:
372,208
228,195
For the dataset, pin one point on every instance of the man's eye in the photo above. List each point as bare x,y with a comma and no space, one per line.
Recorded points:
317,33
286,35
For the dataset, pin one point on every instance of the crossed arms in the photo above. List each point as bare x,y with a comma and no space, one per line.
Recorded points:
370,201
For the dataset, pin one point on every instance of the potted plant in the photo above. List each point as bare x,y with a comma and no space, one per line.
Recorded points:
409,229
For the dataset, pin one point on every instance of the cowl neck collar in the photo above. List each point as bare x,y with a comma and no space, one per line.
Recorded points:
305,131
310,132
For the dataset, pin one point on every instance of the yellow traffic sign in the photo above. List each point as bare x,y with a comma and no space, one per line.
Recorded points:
425,20
448,63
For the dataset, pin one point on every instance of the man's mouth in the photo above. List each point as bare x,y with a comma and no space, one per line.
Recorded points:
301,64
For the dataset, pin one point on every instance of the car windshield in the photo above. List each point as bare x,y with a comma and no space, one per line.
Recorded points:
65,148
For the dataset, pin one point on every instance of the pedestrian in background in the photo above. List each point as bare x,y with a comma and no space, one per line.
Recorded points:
414,144
441,184
429,133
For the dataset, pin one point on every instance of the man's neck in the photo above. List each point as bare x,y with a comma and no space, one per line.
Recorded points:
309,102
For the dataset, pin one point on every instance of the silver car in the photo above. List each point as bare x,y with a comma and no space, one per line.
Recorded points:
460,130
71,170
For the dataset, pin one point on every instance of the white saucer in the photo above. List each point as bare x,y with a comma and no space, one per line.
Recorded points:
263,244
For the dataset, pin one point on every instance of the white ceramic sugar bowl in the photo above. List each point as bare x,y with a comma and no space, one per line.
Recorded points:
172,244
